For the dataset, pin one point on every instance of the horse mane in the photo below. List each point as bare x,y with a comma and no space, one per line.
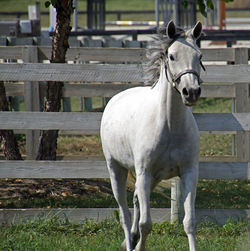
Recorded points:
156,52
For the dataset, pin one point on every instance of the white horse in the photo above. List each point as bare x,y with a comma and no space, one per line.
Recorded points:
151,131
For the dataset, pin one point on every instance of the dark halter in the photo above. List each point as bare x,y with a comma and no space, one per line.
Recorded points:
176,77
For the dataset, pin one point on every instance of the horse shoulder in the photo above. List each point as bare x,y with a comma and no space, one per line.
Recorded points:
121,122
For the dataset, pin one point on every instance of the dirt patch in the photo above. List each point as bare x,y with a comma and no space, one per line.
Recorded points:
20,189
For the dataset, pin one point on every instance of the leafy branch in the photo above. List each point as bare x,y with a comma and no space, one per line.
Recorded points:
204,5
51,2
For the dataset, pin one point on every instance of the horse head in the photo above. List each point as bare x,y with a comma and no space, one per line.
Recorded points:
183,62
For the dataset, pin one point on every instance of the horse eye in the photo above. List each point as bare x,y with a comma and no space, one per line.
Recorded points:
171,57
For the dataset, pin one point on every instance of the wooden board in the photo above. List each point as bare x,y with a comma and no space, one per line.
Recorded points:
225,54
242,105
96,90
224,170
226,73
217,91
11,52
71,72
109,73
109,54
79,215
223,121
32,103
14,89
97,169
54,169
85,121
130,54
109,90
90,121
98,54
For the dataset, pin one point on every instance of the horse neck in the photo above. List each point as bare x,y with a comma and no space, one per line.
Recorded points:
172,111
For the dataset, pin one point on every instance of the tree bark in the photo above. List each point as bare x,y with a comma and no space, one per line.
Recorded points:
48,139
7,137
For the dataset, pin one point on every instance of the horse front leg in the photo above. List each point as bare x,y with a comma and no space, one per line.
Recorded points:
135,229
135,234
189,183
118,177
143,189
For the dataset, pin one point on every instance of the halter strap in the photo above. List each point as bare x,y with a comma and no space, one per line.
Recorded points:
176,77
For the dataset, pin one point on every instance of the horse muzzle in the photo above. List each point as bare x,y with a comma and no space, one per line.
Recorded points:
190,96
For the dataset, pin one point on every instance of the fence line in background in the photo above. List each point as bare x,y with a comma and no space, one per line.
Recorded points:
221,81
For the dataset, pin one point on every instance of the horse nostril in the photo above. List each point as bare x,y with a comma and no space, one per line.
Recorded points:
184,92
198,92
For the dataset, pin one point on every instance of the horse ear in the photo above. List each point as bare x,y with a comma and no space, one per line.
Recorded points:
196,32
170,30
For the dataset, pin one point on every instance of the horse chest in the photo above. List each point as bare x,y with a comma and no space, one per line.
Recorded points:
168,163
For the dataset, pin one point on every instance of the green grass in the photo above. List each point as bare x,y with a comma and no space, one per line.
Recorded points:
216,105
79,145
55,234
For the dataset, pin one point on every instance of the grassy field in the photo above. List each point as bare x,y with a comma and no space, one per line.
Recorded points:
54,234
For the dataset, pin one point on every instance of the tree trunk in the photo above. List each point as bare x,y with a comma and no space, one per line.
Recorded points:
7,137
48,139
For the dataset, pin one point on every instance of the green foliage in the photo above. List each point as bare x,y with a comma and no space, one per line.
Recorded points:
185,3
210,4
230,228
168,229
51,233
116,215
204,5
51,2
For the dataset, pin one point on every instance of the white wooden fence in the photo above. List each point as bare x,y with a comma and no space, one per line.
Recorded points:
107,74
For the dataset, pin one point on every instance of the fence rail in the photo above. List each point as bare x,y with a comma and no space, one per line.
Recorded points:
109,90
108,73
114,54
106,67
97,169
79,215
89,122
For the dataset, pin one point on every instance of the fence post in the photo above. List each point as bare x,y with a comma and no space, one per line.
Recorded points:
32,102
177,207
90,43
241,106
